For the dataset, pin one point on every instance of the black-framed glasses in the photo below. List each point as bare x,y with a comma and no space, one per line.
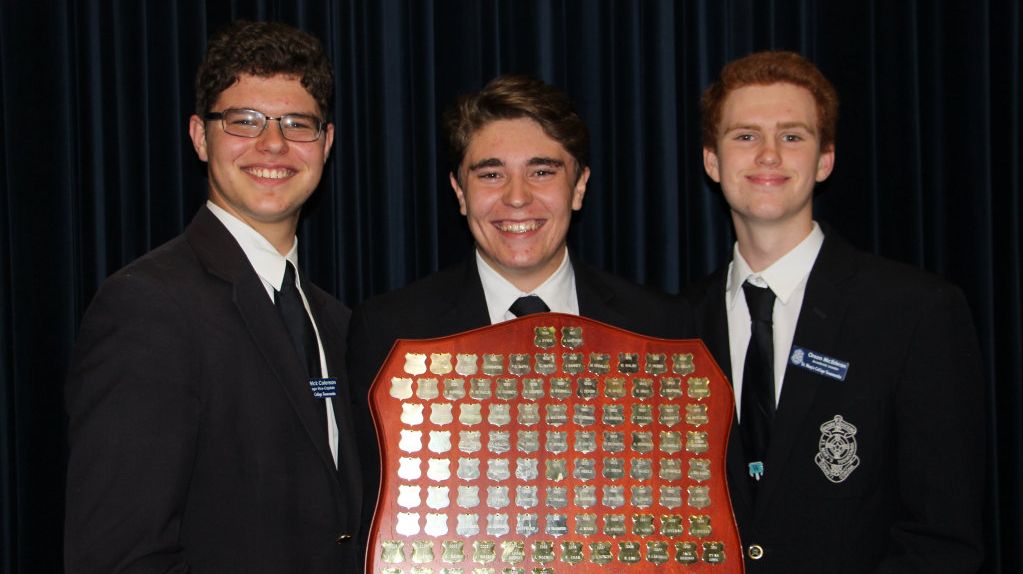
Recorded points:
251,123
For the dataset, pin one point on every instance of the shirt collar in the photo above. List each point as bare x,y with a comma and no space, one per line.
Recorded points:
267,261
556,291
783,276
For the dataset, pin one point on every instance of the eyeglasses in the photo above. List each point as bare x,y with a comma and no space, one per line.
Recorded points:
251,123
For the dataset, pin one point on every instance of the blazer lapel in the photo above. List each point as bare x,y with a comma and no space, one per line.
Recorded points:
466,304
223,257
818,328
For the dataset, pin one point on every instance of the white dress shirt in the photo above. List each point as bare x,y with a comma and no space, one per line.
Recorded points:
270,265
787,278
558,291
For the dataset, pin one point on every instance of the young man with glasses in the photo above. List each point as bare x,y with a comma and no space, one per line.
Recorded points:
209,421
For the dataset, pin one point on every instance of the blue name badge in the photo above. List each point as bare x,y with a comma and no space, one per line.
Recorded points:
323,388
818,363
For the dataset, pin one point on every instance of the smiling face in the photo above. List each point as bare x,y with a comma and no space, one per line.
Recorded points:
768,158
263,180
518,191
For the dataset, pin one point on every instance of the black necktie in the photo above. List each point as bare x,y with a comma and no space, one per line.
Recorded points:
296,319
528,305
757,401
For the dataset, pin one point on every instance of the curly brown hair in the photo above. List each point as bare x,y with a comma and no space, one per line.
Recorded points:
263,49
765,68
511,97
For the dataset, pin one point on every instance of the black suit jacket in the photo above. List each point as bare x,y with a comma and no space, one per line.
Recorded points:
196,445
452,301
913,391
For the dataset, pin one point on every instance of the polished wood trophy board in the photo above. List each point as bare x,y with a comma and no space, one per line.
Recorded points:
552,443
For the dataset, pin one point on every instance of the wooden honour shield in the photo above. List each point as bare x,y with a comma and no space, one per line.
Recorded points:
552,443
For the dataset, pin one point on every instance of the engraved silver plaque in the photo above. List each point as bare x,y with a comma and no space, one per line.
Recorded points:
439,469
507,389
585,524
584,469
668,415
437,497
614,525
699,469
671,525
440,441
543,551
466,364
657,552
493,364
613,415
696,442
685,552
440,364
613,497
529,414
483,551
696,415
415,363
422,551
584,415
408,495
526,496
408,468
557,415
670,441
453,551
526,524
600,363
628,552
468,468
642,388
642,414
641,469
411,441
699,387
585,496
411,414
557,442
545,363
401,388
427,389
499,442
614,388
468,496
671,388
526,469
600,553
528,441
392,551
699,496
671,497
670,469
468,525
642,441
519,364
497,524
532,389
479,388
587,388
469,441
557,497
614,441
614,468
571,552
497,496
556,525
699,526
454,389
585,441
440,413
561,388
682,363
513,551
543,337
556,469
408,524
572,363
642,496
628,363
571,337
469,414
643,524
499,414
713,552
498,469
655,364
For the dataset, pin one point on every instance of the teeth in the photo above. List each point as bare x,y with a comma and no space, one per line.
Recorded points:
519,227
269,173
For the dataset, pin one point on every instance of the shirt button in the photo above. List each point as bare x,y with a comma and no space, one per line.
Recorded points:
342,538
755,552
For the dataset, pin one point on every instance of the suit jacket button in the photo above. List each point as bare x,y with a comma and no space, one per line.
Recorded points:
755,552
342,538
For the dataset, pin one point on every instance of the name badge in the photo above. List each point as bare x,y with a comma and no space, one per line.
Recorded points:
818,363
323,388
